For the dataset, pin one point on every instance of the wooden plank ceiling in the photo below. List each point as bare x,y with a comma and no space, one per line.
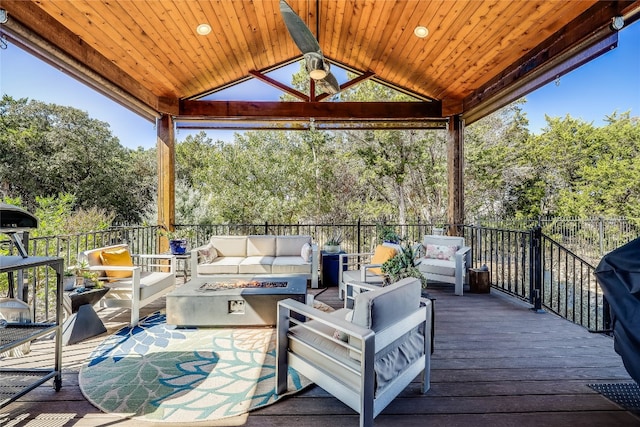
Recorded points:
477,56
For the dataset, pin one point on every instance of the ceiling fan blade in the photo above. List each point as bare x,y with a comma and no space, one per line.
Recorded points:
301,35
329,84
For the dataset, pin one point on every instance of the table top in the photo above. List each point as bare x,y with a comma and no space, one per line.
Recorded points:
90,296
297,285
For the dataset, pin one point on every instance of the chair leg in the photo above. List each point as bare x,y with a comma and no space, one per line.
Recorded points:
281,350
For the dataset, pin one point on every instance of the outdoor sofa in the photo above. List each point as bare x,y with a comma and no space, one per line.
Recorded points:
244,257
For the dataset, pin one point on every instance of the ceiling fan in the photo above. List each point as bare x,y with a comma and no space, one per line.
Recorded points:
317,66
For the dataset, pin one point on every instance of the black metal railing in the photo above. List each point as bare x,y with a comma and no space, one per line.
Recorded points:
526,264
38,284
535,268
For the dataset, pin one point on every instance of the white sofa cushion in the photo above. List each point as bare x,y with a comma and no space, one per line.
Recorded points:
261,246
230,246
438,266
256,265
221,265
290,265
151,282
291,245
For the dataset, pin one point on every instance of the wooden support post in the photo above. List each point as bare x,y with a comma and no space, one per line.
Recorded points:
455,170
166,177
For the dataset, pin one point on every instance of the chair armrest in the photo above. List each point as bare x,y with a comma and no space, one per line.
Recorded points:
335,322
153,256
364,268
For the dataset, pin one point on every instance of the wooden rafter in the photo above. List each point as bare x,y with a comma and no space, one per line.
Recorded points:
353,111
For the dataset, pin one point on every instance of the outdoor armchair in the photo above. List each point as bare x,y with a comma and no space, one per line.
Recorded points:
363,356
131,284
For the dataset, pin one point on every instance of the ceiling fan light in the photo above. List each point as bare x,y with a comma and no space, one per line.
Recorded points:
317,74
203,29
421,32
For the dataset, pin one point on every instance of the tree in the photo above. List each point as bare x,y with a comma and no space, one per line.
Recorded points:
49,149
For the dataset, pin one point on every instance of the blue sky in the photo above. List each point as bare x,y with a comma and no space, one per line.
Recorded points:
597,89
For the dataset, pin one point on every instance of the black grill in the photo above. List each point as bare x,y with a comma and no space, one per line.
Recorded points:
15,220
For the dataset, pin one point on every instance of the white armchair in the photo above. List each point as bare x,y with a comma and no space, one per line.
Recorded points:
367,361
149,278
446,259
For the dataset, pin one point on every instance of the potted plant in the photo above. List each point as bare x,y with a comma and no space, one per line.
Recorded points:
387,234
333,244
69,280
403,265
178,240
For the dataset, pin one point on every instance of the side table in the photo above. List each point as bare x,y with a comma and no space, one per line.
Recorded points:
479,281
185,259
83,321
329,268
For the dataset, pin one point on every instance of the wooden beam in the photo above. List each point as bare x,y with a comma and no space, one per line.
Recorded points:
582,40
455,170
354,111
166,177
38,33
286,89
346,85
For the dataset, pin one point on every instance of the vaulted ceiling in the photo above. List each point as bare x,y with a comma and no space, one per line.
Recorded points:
478,55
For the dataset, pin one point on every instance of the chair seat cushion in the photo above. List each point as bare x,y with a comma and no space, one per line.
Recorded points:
290,265
256,265
354,276
438,266
151,282
221,265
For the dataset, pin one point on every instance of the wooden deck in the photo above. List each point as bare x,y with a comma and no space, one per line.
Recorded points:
496,363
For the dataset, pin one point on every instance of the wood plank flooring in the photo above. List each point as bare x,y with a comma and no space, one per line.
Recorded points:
496,363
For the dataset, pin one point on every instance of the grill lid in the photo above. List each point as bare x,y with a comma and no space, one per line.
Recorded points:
14,219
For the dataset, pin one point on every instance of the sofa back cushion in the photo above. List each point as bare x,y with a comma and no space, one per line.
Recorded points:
230,245
291,245
261,246
378,309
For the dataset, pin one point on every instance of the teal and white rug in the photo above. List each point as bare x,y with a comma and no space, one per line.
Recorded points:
157,372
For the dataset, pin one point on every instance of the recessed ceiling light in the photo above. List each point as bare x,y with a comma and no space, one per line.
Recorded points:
421,31
203,29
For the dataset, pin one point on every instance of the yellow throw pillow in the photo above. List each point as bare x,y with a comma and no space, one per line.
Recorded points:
380,256
120,257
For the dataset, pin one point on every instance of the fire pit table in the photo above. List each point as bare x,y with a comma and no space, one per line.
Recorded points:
232,302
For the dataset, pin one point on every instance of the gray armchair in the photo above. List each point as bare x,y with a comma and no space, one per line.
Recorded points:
366,361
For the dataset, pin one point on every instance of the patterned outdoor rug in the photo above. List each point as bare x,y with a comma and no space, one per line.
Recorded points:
158,372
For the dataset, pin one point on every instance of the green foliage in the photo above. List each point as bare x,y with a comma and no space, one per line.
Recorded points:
402,265
49,149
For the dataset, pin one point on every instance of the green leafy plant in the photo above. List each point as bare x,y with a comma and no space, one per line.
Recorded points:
176,234
335,239
386,233
403,265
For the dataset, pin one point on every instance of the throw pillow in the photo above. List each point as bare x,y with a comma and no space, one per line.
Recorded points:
441,252
208,252
381,255
119,257
306,252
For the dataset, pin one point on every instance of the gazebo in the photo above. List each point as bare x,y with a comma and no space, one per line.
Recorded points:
460,60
